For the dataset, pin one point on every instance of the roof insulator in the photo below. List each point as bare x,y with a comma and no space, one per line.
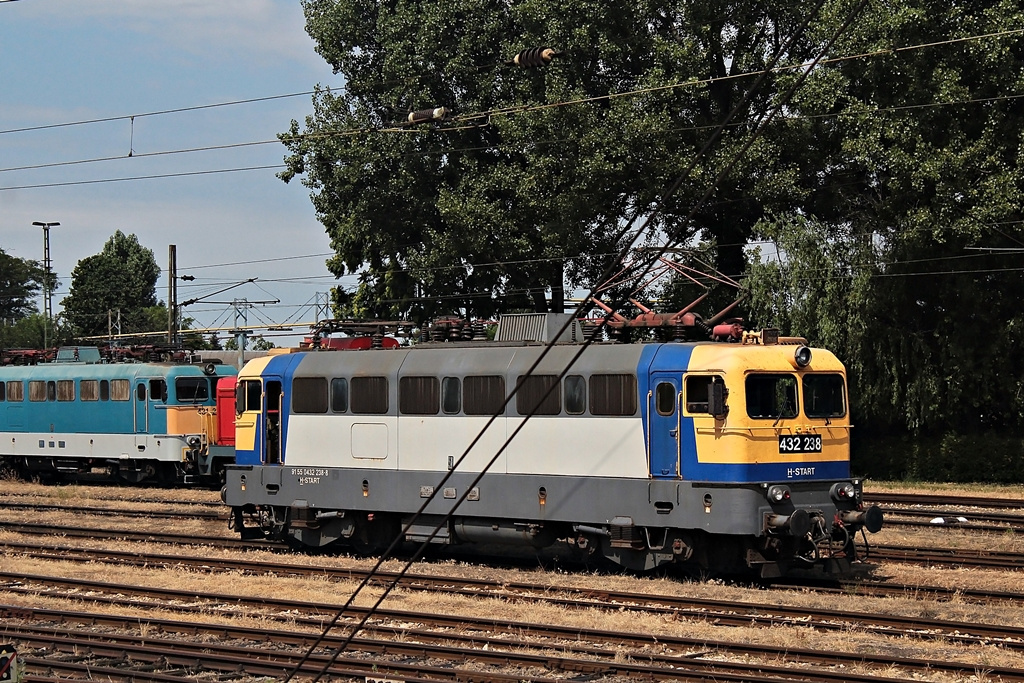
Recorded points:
535,57
427,115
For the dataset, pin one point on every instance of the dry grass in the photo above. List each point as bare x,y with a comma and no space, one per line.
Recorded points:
321,590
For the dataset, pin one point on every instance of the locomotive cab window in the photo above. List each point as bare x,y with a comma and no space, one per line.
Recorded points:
665,398
698,391
191,389
824,395
248,395
771,396
158,390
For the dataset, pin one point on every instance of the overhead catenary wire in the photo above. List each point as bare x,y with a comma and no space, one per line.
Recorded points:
483,115
637,234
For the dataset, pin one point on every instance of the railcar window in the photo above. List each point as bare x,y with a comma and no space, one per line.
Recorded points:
191,389
419,396
613,395
309,395
36,390
451,395
339,395
531,396
824,395
15,391
771,396
483,395
3,391
66,390
120,390
89,390
575,394
665,398
697,390
158,389
369,395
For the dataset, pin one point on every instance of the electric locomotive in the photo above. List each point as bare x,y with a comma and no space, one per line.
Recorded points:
725,457
79,418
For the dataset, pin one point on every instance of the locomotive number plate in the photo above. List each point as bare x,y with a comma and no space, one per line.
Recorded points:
800,443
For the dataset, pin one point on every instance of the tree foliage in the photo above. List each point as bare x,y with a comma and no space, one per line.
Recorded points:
894,255
122,277
528,186
20,282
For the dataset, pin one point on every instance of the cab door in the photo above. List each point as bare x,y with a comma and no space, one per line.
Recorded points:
664,448
273,397
141,400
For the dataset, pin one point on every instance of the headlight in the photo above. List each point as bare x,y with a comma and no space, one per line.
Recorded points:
778,494
802,356
844,490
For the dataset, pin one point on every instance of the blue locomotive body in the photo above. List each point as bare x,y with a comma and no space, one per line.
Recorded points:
128,421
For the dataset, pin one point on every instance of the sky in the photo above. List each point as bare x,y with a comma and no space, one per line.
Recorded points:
70,61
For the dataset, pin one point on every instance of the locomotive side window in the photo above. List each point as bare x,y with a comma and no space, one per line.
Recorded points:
191,389
575,395
369,395
531,395
824,396
613,395
339,395
309,395
665,398
771,396
15,391
119,390
248,394
51,391
158,389
419,396
89,390
66,390
36,391
451,395
696,393
140,392
483,395
3,391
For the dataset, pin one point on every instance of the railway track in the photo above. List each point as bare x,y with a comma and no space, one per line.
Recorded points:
995,503
720,612
457,638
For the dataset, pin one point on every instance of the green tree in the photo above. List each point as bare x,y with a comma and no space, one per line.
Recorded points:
122,277
895,254
20,282
528,185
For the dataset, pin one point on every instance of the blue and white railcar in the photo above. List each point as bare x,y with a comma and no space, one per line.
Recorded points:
729,456
126,421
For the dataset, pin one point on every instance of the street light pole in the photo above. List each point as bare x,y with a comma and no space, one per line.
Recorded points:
47,292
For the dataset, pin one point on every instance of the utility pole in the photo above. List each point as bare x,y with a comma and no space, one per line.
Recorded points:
47,290
172,293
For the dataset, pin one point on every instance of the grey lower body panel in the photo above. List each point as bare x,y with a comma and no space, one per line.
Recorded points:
731,509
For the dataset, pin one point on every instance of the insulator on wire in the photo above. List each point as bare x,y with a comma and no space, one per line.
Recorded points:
535,57
426,115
